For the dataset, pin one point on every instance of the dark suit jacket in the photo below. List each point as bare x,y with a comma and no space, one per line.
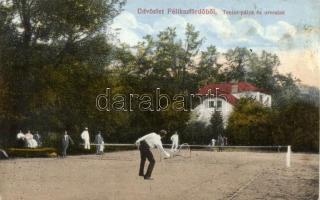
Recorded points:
66,140
98,139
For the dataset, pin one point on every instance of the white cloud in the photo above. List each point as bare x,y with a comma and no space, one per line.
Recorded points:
170,21
247,30
219,24
127,27
129,37
280,31
126,19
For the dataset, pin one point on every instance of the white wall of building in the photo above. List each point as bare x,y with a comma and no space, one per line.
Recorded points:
204,111
263,98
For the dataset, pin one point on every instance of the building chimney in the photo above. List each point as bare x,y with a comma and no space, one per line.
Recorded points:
234,88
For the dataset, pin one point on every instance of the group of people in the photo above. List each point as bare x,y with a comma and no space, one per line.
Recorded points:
145,144
85,136
99,141
30,140
222,141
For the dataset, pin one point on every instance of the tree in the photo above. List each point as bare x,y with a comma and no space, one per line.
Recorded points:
208,69
250,124
297,124
285,91
43,44
216,125
262,70
168,57
196,133
237,61
192,44
245,65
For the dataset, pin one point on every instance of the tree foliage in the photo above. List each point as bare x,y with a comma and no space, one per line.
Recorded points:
47,56
216,125
295,124
250,124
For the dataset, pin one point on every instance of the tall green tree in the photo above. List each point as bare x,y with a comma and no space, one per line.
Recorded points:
216,125
43,44
191,48
237,61
168,57
208,70
250,124
297,124
197,133
262,70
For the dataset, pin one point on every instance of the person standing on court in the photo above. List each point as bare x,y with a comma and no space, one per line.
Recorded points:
37,137
220,142
146,143
99,143
225,141
175,142
66,139
86,138
213,142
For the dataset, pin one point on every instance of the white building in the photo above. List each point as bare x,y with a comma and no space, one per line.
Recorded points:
223,98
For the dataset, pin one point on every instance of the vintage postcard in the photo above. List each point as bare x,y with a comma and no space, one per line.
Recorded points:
159,99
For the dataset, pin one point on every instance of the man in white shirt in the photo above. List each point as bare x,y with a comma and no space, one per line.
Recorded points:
213,142
146,143
86,138
31,142
175,142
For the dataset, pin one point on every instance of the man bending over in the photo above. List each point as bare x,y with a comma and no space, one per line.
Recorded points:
146,143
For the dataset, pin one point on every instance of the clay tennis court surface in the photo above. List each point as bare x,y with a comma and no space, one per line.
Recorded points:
206,175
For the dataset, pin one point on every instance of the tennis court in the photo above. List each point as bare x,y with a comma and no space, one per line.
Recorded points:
206,175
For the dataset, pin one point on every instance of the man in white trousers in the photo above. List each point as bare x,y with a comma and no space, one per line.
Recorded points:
175,142
146,143
213,142
86,138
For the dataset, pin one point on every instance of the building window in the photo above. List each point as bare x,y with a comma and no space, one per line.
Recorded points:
211,104
219,104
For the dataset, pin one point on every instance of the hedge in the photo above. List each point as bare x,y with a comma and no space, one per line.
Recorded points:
32,152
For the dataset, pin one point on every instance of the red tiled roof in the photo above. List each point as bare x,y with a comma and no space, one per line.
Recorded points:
227,87
225,90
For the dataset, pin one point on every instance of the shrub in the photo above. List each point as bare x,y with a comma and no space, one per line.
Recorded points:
197,133
28,152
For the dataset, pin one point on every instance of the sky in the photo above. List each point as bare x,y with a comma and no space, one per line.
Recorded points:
292,35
